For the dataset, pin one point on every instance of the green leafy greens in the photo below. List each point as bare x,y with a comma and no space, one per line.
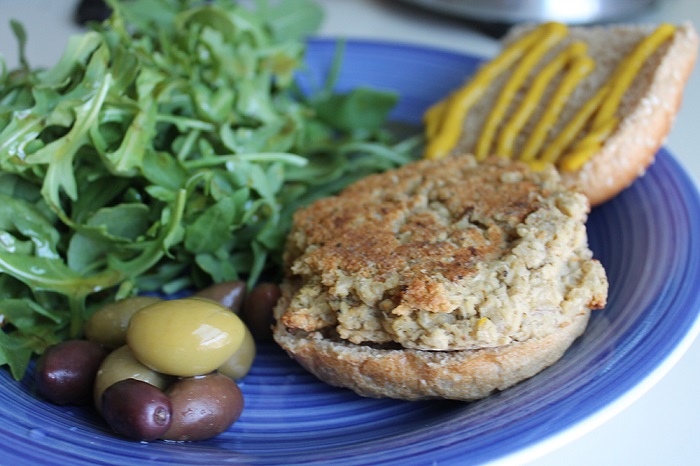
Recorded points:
167,149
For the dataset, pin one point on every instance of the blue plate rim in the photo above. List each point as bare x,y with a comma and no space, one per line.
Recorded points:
639,385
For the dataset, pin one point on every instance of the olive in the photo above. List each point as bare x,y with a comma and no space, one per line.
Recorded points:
203,407
238,365
184,337
136,410
65,373
257,309
108,325
121,364
228,294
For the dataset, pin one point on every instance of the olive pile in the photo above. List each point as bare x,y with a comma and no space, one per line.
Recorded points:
163,369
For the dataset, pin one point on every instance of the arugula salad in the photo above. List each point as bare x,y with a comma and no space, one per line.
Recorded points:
166,150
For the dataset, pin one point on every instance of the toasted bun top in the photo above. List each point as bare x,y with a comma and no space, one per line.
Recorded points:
645,113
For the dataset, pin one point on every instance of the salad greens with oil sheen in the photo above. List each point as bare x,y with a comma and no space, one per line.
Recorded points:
167,149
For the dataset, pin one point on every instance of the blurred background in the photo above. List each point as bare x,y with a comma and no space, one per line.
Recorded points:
663,426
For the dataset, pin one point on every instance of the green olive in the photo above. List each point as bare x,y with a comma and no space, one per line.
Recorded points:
185,337
238,365
121,364
108,325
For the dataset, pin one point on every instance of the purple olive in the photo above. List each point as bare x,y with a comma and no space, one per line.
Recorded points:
65,373
257,310
203,407
228,294
136,410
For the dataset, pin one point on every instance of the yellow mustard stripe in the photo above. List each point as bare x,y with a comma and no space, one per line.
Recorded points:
587,147
604,121
552,33
628,70
446,123
552,152
445,119
578,70
576,159
531,100
434,116
597,137
537,165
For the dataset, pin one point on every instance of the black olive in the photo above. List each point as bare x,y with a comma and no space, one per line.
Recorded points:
257,310
203,407
228,294
65,373
136,410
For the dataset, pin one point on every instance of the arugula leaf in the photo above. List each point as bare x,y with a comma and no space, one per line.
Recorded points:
24,313
359,109
59,154
167,149
47,274
22,219
212,228
21,35
291,19
15,352
106,232
129,155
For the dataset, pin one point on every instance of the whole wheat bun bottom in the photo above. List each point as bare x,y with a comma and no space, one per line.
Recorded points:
414,375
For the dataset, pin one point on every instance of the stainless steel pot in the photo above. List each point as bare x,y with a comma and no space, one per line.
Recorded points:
515,11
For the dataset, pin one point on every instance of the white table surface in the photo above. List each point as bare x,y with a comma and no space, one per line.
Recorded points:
662,426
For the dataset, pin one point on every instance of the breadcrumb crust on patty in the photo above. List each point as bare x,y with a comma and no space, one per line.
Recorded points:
443,255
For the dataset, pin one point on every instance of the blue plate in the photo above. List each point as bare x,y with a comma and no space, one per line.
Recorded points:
646,238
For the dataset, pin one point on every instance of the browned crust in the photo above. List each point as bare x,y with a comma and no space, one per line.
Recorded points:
360,231
413,375
631,149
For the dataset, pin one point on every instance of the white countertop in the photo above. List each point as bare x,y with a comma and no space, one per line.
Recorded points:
663,426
